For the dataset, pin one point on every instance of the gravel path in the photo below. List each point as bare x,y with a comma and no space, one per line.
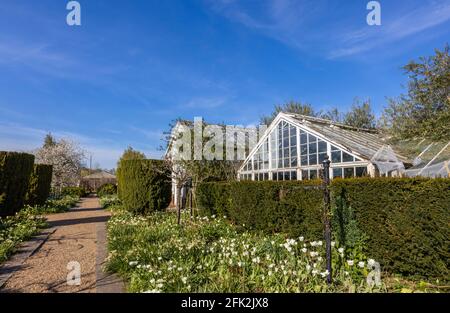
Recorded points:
75,239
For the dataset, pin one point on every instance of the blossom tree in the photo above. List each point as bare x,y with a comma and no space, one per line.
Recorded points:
66,156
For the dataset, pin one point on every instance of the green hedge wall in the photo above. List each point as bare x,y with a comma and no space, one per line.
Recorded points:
15,171
144,186
402,222
74,191
107,189
40,184
405,220
294,208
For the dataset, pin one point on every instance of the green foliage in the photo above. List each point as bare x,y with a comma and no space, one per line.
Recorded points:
144,185
206,254
110,202
18,228
404,222
49,141
107,189
128,154
15,171
425,110
293,208
40,185
74,191
360,115
401,222
289,107
57,205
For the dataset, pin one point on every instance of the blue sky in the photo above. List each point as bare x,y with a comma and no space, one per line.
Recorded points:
132,67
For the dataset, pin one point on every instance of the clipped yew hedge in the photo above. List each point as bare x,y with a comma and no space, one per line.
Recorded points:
294,208
144,186
405,222
106,190
15,171
39,185
402,222
74,191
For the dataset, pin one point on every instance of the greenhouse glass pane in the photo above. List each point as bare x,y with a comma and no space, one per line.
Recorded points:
361,171
322,157
293,175
336,157
312,148
337,172
312,174
322,146
305,175
347,157
304,160
313,159
349,172
303,137
312,138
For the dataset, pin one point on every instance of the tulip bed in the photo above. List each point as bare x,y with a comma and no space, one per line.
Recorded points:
154,254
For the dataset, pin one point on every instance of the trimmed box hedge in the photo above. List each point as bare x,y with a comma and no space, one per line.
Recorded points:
15,171
144,185
403,222
40,184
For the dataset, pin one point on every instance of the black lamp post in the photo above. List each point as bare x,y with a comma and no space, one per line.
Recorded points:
327,213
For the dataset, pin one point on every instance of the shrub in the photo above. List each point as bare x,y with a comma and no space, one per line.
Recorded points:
15,170
144,186
40,184
405,221
74,191
107,189
401,222
290,207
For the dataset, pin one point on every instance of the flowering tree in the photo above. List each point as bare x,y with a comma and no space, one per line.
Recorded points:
66,156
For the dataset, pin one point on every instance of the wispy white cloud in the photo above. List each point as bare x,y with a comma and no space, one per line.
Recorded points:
415,21
148,133
17,137
322,27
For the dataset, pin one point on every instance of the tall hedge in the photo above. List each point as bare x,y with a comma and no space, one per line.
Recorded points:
15,171
294,208
40,184
403,222
144,186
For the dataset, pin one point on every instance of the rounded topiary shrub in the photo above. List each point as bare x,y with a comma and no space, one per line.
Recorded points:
107,189
144,185
15,171
40,184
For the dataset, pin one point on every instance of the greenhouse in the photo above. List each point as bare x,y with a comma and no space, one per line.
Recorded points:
294,147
